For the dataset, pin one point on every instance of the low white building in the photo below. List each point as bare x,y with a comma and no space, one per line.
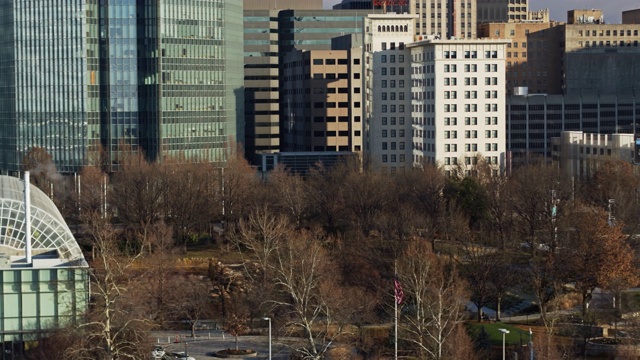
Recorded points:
580,154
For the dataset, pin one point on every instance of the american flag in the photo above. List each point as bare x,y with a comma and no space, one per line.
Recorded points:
398,291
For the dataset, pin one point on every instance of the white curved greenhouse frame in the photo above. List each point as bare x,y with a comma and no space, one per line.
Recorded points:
49,231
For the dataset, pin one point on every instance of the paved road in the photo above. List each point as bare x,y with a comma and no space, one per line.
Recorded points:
207,343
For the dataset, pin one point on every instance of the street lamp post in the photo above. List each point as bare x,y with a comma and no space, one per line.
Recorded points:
269,319
504,349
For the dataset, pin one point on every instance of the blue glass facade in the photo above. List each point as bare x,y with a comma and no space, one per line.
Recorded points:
43,63
161,77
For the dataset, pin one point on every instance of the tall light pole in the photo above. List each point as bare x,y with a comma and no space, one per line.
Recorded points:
269,319
504,349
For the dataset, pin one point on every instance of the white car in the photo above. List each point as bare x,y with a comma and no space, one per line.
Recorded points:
183,356
158,352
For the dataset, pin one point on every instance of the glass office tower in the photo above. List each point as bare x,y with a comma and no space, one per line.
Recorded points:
163,77
43,82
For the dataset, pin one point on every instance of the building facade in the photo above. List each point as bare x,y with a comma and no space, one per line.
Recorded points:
387,110
631,16
581,154
608,53
458,102
262,73
493,11
445,18
323,107
269,36
532,56
533,120
120,77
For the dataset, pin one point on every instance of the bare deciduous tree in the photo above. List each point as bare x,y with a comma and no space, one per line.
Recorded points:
117,326
309,293
436,296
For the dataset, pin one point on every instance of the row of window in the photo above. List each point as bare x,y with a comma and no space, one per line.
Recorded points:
488,94
392,108
322,119
392,96
470,134
392,120
608,43
587,33
470,121
470,81
392,46
385,158
392,146
332,105
468,160
454,147
331,76
488,54
392,133
334,61
392,83
334,133
392,71
392,58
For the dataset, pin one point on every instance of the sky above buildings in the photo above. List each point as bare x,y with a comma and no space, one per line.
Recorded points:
612,9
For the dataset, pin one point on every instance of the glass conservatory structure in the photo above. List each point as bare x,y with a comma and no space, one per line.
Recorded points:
42,286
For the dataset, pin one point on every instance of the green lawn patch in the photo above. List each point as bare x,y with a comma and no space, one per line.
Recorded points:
495,336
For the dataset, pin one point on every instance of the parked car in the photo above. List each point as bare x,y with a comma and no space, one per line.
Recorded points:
201,326
182,356
158,352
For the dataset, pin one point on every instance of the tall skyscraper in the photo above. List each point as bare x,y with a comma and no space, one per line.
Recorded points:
160,78
262,73
269,35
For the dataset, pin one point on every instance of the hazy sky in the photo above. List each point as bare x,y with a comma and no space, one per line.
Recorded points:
612,8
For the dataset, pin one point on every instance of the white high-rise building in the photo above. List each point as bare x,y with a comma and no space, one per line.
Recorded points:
458,106
388,90
434,100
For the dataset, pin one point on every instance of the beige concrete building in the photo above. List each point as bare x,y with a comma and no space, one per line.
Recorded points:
580,154
631,16
532,57
502,10
323,106
445,18
600,58
588,16
262,73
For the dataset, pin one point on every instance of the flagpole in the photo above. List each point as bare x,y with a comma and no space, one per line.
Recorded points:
395,312
396,331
